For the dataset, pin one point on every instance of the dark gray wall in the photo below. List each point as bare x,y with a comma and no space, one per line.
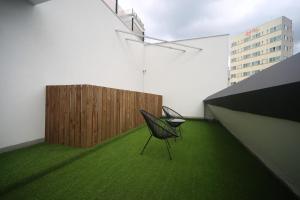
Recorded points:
276,142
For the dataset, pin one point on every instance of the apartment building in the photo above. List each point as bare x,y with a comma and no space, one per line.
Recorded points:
259,48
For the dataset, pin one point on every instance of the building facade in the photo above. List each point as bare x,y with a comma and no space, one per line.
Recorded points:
259,48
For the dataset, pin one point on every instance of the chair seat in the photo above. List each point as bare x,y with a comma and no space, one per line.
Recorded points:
175,122
166,135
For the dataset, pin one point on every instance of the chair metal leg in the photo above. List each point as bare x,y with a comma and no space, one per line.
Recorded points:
168,150
146,145
175,132
180,132
168,143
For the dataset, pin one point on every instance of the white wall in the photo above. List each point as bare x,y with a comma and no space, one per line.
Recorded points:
74,42
186,79
274,141
57,42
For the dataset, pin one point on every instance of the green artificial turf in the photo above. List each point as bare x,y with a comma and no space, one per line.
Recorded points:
208,163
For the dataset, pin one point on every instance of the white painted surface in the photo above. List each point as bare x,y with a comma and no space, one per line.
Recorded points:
57,42
74,42
274,141
186,79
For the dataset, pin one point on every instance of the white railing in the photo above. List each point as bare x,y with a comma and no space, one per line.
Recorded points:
125,15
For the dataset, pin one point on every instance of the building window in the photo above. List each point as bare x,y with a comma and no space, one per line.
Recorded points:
257,35
257,53
246,74
274,59
264,61
276,38
246,65
285,37
246,56
255,63
257,44
247,39
233,44
246,48
232,75
285,27
278,48
233,68
275,28
233,60
233,52
273,49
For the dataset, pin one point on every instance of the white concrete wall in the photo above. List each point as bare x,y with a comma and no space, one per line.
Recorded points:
74,42
57,42
274,141
186,79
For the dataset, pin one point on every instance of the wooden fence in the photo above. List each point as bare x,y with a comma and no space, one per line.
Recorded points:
86,115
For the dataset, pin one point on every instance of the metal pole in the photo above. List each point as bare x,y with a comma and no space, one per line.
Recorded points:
155,44
144,36
132,23
117,7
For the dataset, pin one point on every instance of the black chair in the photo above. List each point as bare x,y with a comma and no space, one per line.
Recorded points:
158,129
174,119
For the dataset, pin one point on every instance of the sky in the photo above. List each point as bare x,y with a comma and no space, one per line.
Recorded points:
181,19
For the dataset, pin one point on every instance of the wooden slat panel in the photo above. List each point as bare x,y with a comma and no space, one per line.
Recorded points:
72,114
104,114
111,114
118,111
89,116
114,112
56,115
85,115
159,106
47,116
99,114
60,111
66,115
77,133
83,133
95,116
122,111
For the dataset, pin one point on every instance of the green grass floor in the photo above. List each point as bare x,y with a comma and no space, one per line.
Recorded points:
208,163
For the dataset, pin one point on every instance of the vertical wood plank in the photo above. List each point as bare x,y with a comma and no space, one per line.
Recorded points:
78,99
104,113
72,90
47,113
89,116
83,135
66,115
94,116
57,116
99,115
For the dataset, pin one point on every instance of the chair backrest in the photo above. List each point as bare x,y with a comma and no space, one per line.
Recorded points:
158,128
171,114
